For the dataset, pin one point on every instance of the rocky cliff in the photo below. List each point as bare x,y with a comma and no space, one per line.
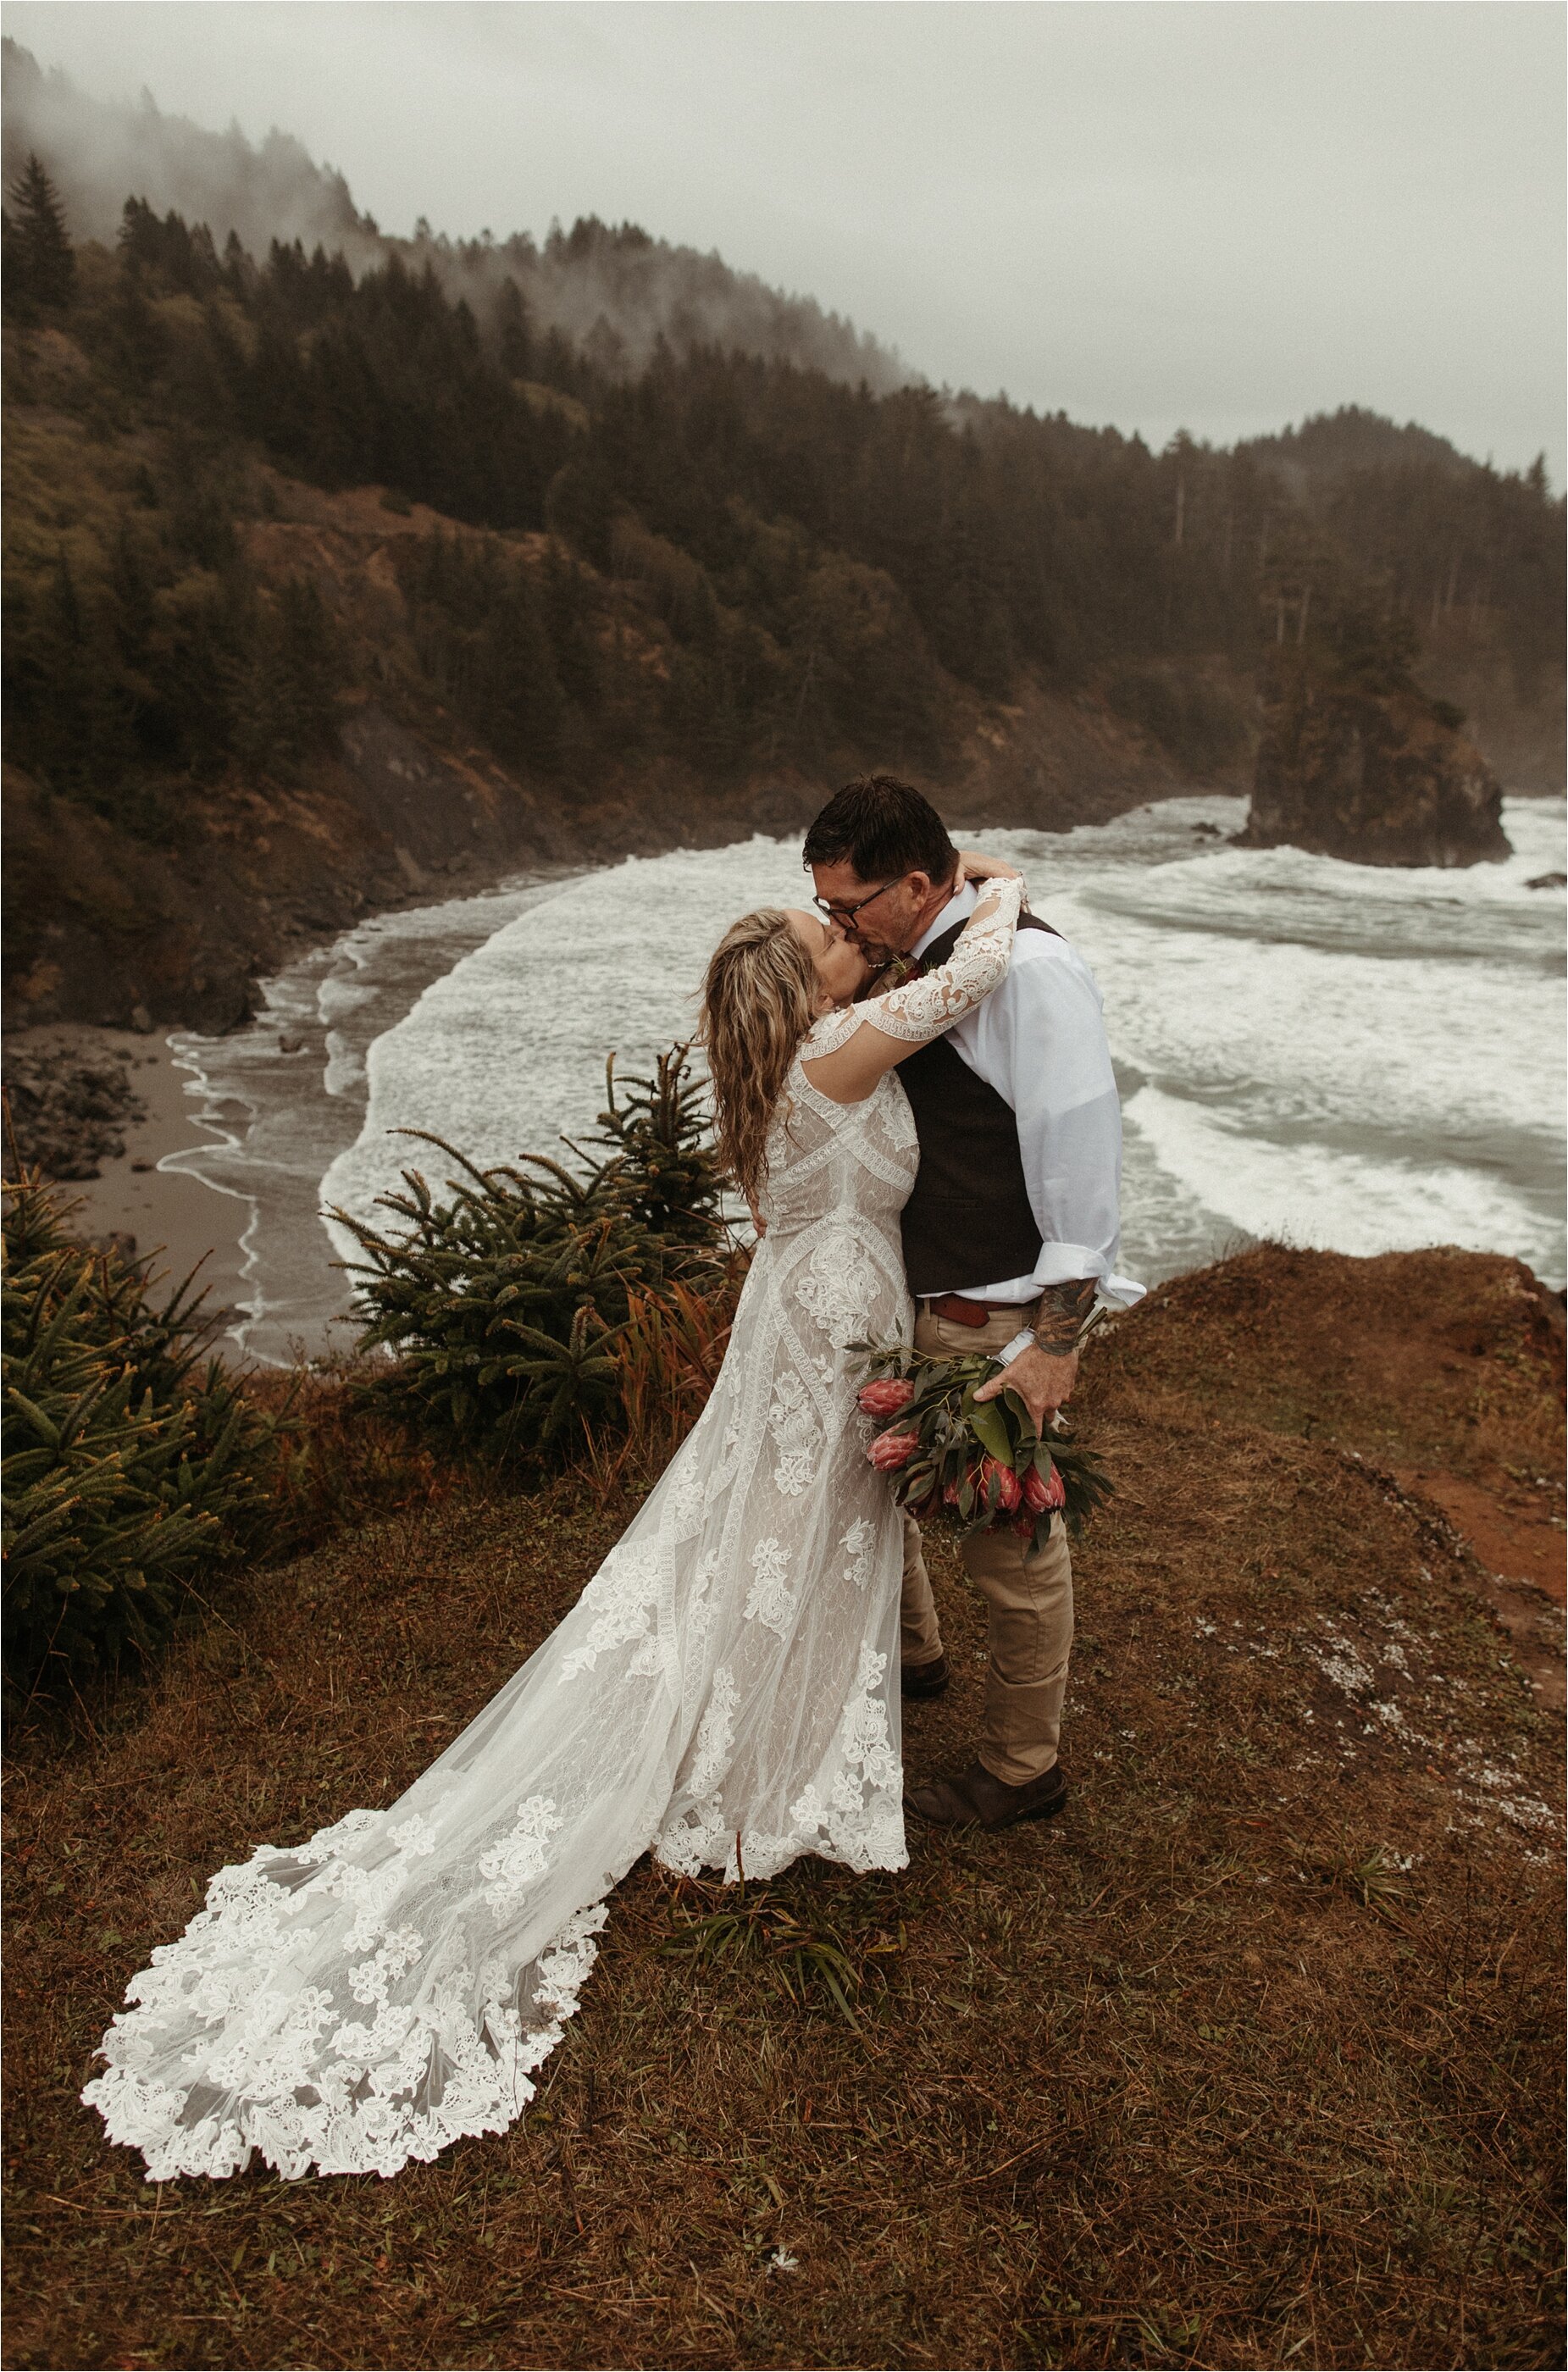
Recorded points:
1379,777
106,927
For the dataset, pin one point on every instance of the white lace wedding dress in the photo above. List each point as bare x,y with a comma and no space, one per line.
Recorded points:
725,1691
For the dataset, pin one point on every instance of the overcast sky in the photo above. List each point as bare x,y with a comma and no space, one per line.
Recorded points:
1217,215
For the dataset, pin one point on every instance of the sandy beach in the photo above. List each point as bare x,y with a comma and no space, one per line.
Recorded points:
168,1213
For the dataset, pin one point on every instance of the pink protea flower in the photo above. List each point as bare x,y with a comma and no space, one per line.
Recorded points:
1041,1497
887,1397
1008,1489
891,1451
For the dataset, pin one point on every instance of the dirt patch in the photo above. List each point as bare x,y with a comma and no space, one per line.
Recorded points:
1517,1553
1517,1542
1442,1370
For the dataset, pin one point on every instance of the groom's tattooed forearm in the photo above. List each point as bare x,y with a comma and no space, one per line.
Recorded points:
1063,1310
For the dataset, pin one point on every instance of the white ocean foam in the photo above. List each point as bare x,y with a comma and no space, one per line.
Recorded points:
1315,1196
1337,1055
1276,893
345,1064
507,1051
1300,1033
1335,1096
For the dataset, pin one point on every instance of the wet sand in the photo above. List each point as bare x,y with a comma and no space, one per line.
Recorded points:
169,1213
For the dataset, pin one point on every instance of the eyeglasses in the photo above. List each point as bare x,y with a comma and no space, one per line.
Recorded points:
839,913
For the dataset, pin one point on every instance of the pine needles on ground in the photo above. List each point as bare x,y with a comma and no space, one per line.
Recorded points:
1175,2079
804,1960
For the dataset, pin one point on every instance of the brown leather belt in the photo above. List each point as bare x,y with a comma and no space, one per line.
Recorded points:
974,1313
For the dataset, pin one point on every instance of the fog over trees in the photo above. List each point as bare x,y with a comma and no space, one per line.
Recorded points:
714,544
618,290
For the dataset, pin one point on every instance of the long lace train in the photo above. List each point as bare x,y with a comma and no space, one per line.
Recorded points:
725,1686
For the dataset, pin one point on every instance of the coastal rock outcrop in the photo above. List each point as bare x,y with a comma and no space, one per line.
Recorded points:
1380,777
67,1115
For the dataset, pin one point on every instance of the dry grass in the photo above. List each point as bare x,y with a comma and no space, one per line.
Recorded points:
667,1359
1249,2059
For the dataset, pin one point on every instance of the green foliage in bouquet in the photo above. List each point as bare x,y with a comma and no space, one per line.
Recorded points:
131,1463
981,1462
505,1302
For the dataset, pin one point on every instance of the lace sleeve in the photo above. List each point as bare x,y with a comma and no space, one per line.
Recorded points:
831,1031
923,1008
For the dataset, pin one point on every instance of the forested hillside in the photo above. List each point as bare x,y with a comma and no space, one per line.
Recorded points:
595,606
614,290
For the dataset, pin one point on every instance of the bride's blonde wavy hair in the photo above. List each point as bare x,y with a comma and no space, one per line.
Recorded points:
758,1001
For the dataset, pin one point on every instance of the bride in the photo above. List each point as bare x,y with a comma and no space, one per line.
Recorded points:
724,1694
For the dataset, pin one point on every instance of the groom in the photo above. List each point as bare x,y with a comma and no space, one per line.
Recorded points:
1010,1236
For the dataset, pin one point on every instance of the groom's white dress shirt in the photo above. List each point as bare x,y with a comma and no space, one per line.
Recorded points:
1038,1040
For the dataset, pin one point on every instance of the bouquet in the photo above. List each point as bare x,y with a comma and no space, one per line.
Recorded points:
981,1461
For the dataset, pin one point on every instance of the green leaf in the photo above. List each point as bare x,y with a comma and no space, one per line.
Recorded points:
989,1430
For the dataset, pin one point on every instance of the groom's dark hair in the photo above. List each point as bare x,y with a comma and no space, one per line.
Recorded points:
884,828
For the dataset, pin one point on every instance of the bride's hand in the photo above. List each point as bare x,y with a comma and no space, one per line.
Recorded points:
975,865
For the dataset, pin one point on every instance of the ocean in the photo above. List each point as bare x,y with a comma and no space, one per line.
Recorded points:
1321,1054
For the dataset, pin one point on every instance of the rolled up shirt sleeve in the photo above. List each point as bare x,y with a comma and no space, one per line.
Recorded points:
1040,1041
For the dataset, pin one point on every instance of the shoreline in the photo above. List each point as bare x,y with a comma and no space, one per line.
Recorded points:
179,1189
176,1217
205,1125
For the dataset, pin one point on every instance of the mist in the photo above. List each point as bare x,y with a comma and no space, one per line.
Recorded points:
615,291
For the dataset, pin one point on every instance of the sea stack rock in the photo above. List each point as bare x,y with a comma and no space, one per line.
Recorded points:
1380,777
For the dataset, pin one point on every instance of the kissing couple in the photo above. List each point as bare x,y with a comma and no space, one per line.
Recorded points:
912,1088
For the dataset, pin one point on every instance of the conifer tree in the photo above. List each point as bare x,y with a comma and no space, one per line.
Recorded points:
514,331
38,246
286,707
13,270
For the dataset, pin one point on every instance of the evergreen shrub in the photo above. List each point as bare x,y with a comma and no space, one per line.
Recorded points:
511,1302
133,1464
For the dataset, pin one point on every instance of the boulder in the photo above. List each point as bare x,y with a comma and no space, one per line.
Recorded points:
1379,777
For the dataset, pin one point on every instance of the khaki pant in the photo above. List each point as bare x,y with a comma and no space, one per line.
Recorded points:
1027,1592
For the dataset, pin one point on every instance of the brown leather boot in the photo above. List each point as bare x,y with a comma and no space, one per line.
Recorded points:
924,1679
976,1796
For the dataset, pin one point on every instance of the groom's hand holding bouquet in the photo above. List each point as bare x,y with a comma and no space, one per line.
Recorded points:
984,1461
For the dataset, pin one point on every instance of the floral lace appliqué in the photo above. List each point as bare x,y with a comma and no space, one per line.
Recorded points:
622,1597
924,1007
369,1980
523,1856
858,1544
862,1817
838,1287
771,1599
793,1422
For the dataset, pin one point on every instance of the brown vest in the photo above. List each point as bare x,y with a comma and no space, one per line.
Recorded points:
968,1222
